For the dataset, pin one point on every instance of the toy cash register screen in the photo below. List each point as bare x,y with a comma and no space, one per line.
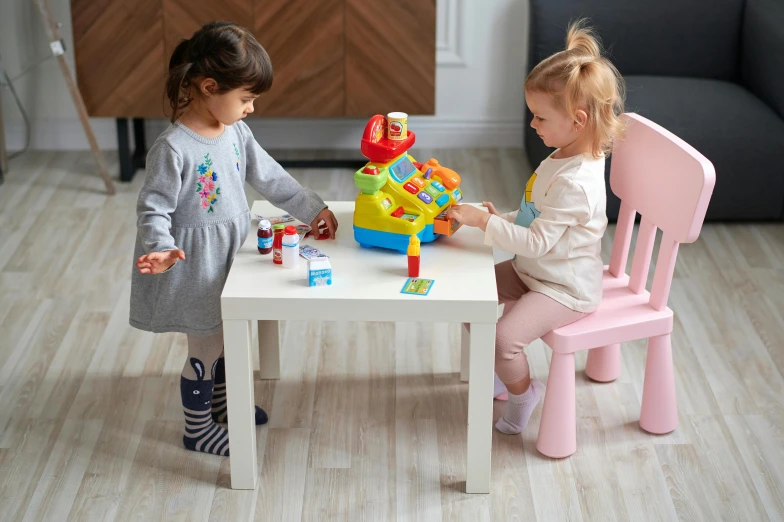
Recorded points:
402,169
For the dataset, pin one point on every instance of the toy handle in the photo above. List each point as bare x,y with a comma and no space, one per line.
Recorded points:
375,129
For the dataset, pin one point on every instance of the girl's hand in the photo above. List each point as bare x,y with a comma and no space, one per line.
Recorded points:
490,208
469,215
325,223
157,262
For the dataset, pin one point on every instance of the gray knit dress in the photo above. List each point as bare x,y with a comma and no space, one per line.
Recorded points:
194,199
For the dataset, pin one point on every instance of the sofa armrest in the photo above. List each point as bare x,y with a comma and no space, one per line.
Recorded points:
762,59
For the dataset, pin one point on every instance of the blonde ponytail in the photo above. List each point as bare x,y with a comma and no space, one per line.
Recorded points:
582,39
579,77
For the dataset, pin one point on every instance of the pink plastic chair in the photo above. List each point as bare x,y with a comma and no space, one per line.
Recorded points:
669,183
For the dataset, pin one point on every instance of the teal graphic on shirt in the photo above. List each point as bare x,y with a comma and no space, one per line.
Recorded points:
528,210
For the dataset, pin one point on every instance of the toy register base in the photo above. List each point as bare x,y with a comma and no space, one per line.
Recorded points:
398,202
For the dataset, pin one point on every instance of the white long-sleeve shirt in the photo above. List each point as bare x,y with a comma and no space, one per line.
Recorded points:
559,253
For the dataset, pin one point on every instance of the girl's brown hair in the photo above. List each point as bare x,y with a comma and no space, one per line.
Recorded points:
579,77
223,51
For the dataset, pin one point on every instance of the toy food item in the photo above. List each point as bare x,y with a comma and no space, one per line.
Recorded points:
290,247
277,244
264,236
397,126
413,257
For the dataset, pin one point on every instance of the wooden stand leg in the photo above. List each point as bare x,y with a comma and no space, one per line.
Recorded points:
52,29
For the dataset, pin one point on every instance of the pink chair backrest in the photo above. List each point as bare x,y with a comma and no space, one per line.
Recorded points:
669,183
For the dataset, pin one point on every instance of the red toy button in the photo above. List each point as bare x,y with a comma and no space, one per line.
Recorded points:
370,170
398,212
411,188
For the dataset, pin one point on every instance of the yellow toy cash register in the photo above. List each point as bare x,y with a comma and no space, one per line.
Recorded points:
399,196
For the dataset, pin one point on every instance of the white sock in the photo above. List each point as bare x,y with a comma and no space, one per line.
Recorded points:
498,386
519,409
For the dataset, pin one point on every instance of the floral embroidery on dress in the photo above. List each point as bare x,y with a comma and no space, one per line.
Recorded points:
237,153
206,187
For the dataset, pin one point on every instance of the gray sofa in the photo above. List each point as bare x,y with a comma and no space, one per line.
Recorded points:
710,71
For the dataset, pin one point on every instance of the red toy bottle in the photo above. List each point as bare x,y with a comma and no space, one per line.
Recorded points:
413,256
264,236
277,244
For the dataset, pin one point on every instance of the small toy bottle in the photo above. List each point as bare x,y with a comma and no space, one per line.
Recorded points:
290,247
277,244
264,236
413,256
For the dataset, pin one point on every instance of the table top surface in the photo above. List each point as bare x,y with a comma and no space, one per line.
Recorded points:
462,267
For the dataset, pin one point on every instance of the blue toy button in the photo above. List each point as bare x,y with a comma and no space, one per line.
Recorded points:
438,186
442,200
424,196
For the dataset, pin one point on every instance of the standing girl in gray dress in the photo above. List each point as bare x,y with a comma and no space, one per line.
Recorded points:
193,215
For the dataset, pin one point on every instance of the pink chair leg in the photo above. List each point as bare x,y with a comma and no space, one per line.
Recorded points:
604,364
659,413
558,429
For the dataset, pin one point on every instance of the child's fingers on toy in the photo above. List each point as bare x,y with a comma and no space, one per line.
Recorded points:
331,225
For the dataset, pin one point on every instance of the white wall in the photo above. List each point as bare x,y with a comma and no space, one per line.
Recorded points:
481,54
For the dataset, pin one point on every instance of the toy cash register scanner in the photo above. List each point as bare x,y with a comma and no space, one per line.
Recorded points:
400,197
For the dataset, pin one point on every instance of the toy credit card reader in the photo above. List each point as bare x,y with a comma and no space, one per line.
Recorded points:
399,196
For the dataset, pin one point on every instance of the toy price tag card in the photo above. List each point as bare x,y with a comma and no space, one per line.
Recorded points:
309,252
275,220
416,286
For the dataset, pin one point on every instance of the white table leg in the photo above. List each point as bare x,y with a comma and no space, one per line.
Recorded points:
480,407
239,388
269,349
465,345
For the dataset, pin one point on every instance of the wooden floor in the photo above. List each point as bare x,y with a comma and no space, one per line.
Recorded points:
368,421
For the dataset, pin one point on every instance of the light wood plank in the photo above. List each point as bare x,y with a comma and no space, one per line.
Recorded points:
715,443
292,406
598,486
332,438
63,473
685,470
231,505
763,454
328,496
168,482
33,364
643,486
418,490
22,469
283,475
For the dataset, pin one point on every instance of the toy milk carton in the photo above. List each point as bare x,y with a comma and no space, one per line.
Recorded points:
319,272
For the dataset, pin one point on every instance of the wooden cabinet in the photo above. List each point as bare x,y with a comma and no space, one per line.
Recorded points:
305,41
120,63
331,58
390,57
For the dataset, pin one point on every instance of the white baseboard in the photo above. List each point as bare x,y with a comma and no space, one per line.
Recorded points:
283,133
